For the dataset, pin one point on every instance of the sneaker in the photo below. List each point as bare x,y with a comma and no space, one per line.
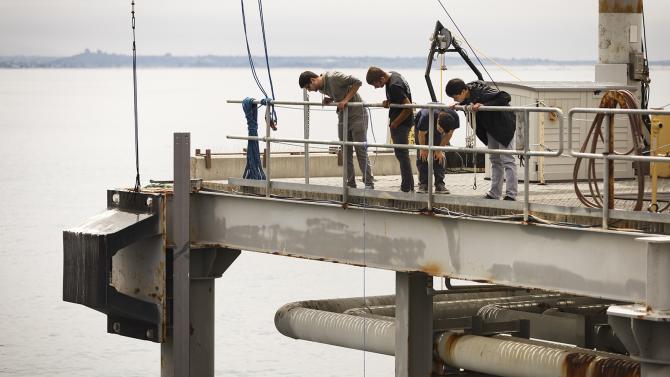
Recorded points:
423,188
370,186
351,185
487,196
441,190
509,198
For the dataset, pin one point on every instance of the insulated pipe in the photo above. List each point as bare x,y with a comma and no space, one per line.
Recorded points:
365,334
565,327
322,321
512,357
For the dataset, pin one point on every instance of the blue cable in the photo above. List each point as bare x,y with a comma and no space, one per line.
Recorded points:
267,59
254,168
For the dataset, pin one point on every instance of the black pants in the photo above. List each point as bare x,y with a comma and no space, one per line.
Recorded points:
438,171
400,135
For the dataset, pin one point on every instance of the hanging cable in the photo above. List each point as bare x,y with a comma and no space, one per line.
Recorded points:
468,43
273,117
137,154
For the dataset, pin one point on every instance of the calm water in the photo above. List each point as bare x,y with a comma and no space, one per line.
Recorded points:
67,136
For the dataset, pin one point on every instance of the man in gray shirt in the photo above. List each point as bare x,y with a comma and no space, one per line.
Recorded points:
343,88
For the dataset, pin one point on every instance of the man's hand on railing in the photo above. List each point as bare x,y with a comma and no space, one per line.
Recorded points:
341,105
476,106
386,103
327,100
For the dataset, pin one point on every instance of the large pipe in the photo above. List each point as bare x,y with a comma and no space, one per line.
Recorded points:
565,326
512,357
325,321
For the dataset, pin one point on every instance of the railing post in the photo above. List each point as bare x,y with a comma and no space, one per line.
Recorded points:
267,150
345,157
526,167
431,138
610,163
305,97
606,173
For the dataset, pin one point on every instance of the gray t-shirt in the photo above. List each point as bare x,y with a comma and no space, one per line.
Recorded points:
336,85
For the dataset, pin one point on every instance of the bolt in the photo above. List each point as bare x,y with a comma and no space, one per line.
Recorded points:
149,202
116,198
116,327
150,333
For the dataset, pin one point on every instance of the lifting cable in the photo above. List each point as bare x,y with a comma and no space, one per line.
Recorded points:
625,100
468,43
273,113
137,155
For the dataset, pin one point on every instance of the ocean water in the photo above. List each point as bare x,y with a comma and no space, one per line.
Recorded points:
67,136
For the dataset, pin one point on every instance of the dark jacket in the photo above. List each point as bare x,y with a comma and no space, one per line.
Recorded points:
501,125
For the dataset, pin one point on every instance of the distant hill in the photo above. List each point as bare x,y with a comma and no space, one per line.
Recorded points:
100,59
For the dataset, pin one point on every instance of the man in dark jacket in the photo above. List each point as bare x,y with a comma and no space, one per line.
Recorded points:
494,128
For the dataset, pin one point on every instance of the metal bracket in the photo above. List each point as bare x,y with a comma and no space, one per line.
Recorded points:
129,226
475,325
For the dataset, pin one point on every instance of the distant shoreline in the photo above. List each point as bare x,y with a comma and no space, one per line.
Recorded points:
101,59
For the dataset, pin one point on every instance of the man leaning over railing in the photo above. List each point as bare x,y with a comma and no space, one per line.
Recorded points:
400,120
343,88
445,121
494,128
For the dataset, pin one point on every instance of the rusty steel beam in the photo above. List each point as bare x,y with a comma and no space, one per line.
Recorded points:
588,262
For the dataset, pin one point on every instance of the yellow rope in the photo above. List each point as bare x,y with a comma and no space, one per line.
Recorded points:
441,73
498,64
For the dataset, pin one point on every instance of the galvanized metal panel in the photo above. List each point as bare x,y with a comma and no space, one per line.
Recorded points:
582,261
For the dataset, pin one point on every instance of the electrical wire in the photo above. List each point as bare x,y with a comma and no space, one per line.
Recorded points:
267,60
138,185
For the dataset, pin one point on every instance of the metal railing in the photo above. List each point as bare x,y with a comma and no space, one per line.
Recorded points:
607,154
525,152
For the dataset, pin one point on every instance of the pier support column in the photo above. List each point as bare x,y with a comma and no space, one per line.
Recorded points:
414,324
205,266
189,346
645,329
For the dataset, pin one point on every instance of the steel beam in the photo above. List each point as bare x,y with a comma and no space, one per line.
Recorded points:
181,256
414,324
589,262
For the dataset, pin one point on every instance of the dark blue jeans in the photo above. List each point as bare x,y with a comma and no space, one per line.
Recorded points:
400,135
438,171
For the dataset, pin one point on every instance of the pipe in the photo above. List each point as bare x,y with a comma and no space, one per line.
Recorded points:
323,321
329,321
566,326
513,357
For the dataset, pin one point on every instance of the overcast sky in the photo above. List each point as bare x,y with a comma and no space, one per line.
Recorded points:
563,30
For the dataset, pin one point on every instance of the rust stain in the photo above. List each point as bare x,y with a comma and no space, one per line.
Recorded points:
615,368
577,364
432,269
427,212
620,6
450,344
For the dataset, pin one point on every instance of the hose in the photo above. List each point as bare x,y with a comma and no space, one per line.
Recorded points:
625,100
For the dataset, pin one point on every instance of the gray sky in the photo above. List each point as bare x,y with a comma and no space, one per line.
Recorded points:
565,29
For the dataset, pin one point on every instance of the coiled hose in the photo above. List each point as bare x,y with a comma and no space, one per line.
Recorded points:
613,98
